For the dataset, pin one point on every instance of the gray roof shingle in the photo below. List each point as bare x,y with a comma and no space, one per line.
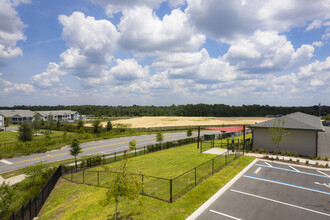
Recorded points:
21,113
297,120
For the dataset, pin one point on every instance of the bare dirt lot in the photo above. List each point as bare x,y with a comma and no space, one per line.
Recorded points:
152,122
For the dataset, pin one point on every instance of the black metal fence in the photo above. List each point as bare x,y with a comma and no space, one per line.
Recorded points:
226,143
32,208
157,187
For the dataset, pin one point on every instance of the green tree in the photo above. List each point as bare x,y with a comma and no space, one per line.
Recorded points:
80,123
75,150
189,132
109,126
6,198
278,133
123,184
25,132
36,123
327,117
50,122
132,145
58,124
7,122
96,127
159,136
34,171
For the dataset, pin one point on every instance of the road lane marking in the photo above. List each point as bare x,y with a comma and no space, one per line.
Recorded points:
91,148
283,203
229,216
257,170
6,161
268,164
288,184
292,171
323,173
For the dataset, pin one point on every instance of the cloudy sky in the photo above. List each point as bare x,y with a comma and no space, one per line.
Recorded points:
158,52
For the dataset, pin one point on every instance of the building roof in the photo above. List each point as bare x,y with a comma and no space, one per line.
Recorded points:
56,112
13,112
228,129
297,121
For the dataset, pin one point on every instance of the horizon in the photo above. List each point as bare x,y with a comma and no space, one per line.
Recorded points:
165,52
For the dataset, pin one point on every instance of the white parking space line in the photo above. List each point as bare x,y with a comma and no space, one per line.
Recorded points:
283,203
294,169
268,164
223,214
257,170
323,173
287,184
6,162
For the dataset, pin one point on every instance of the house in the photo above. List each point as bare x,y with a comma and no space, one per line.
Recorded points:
18,116
301,138
61,115
2,120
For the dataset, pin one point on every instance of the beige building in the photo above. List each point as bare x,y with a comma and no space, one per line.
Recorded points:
2,120
18,116
301,138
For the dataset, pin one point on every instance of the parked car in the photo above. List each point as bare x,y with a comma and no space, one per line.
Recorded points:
1,129
326,123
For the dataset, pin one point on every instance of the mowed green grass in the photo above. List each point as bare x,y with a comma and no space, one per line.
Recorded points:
78,201
11,136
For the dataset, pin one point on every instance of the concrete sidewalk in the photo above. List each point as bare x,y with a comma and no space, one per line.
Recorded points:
12,180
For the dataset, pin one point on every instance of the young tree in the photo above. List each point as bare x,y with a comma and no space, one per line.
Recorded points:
278,133
6,198
109,126
189,132
132,145
58,124
123,184
34,171
75,150
7,122
50,122
25,132
96,127
159,136
36,123
80,123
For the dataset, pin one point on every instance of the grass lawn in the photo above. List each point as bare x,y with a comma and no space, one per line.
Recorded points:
79,201
8,136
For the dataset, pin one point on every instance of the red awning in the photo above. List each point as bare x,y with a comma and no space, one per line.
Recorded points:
228,129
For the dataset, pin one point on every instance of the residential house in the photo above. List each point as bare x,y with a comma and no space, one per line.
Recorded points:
61,115
18,116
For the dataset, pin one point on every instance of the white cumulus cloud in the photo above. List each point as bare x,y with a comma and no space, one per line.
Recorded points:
49,78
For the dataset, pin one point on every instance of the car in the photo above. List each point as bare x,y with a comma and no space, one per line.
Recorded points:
1,129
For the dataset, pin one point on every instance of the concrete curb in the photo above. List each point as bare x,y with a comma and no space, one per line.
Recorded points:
203,207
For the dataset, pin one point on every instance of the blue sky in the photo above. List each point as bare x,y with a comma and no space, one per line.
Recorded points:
158,52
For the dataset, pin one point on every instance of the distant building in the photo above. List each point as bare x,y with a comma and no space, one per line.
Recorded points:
61,115
18,116
302,138
2,120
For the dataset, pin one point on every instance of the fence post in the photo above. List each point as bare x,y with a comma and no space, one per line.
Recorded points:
103,159
22,212
171,190
115,157
35,206
98,178
195,177
144,150
30,209
212,166
135,151
90,162
83,175
71,173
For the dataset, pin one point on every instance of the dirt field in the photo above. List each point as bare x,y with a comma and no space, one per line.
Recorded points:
152,122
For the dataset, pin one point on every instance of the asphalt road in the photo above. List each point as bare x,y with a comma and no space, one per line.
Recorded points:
90,148
274,191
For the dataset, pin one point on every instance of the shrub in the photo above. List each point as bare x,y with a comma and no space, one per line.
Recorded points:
266,156
326,158
317,163
312,157
290,159
295,154
283,153
307,162
318,158
298,160
327,165
277,158
289,154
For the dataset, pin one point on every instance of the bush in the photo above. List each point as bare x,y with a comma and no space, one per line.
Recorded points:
290,159
326,158
283,153
327,165
289,154
307,162
317,163
295,154
312,157
298,160
318,158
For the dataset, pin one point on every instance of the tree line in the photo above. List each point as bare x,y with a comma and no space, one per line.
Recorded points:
211,110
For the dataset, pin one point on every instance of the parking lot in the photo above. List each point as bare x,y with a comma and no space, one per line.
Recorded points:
271,190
